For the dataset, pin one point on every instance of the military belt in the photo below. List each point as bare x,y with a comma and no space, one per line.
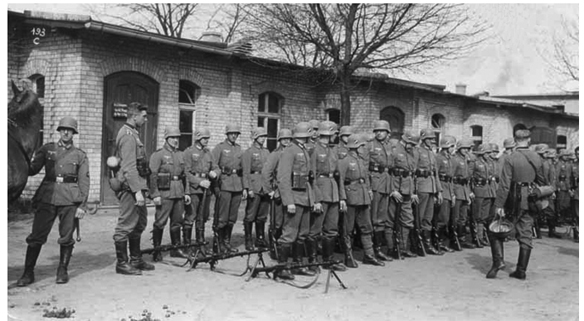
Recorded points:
255,172
378,168
176,178
202,175
231,171
522,184
495,179
480,181
445,178
401,172
354,181
425,173
460,180
330,175
562,178
63,179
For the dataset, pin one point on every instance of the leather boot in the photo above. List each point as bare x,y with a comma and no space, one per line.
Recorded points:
156,241
405,243
552,229
497,255
388,234
62,275
260,241
297,255
441,238
227,230
247,227
136,256
284,251
218,241
175,240
187,232
368,253
464,239
122,266
430,249
32,254
455,239
311,254
328,252
476,239
378,237
522,262
348,247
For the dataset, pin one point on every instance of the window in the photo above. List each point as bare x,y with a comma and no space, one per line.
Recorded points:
38,86
477,135
396,119
269,107
438,121
562,141
334,115
188,93
518,127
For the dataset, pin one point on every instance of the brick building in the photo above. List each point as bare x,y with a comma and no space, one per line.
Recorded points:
91,70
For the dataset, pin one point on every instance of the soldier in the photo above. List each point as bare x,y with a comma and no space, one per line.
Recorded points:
379,154
63,193
258,201
229,192
481,176
344,134
169,192
563,184
509,145
404,160
355,197
575,192
445,216
495,169
314,124
269,178
521,170
325,218
428,187
294,177
547,211
464,196
201,168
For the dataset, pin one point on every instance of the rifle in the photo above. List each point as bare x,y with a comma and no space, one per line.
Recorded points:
164,248
272,230
435,235
455,237
397,236
78,229
216,245
420,243
212,260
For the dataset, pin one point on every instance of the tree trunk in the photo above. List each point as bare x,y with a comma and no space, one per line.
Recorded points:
345,101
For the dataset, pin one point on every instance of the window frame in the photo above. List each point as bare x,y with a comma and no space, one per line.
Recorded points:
266,115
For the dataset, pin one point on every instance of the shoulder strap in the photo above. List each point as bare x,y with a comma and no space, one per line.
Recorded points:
529,161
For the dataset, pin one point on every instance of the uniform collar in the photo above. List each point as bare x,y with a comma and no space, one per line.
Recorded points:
199,146
229,143
446,154
61,144
131,126
257,145
169,148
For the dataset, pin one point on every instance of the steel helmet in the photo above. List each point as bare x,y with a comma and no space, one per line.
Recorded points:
509,143
541,148
284,133
501,227
346,130
551,153
302,130
381,125
335,127
366,137
494,147
483,148
464,143
258,132
171,132
232,128
447,142
202,133
427,133
326,128
314,124
355,141
68,122
408,137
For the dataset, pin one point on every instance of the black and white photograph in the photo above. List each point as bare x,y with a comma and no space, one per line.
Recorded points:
292,161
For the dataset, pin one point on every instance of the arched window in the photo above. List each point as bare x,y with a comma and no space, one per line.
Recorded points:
269,108
38,86
438,121
562,142
396,119
188,93
476,132
334,115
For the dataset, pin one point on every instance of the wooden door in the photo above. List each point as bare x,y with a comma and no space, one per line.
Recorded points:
120,89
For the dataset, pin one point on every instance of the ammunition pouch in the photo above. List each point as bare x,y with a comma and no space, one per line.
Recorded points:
142,167
163,180
299,181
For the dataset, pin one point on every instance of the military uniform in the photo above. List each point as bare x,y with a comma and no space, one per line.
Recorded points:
445,219
547,212
576,198
461,181
481,179
269,181
563,185
257,208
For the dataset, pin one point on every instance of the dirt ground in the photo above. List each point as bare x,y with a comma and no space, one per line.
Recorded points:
449,287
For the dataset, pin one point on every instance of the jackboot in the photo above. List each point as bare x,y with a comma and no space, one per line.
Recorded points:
217,245
497,255
247,227
227,230
441,238
311,254
136,256
32,254
175,240
62,275
378,237
481,234
328,253
368,253
284,251
156,241
476,239
552,229
122,266
455,239
187,232
260,240
388,234
522,262
297,255
349,259
430,249
405,243
464,239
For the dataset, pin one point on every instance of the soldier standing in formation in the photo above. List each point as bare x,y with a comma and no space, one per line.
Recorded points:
133,173
563,186
481,177
547,211
63,193
169,192
446,219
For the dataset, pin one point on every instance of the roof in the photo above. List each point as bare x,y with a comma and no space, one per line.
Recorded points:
559,95
523,104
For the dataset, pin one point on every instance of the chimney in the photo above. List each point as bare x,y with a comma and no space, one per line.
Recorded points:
460,89
211,36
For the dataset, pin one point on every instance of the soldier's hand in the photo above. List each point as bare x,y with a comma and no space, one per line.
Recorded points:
343,206
79,213
205,183
471,195
271,194
140,199
250,194
397,196
187,200
415,199
244,194
439,198
212,174
317,208
291,209
500,212
157,201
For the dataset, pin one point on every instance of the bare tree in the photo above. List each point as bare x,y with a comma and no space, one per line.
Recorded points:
343,37
566,50
227,19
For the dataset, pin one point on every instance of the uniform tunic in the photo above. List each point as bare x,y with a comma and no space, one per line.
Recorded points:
229,192
253,160
460,180
428,185
354,190
269,181
576,188
404,165
64,188
133,218
198,163
482,173
379,153
563,185
326,191
445,167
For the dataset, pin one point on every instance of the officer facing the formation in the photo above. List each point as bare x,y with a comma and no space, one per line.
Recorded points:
355,198
63,193
201,168
229,191
258,201
294,177
132,173
428,187
521,171
464,196
445,216
169,191
324,220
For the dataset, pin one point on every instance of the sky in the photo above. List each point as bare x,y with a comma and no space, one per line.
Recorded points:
508,63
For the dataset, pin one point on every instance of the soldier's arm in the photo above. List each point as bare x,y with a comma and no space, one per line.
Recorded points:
540,178
83,179
342,176
246,166
154,166
38,161
216,156
127,151
505,183
317,191
189,167
184,170
284,174
267,173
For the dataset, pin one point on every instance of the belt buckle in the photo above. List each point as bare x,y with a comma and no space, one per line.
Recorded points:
233,171
59,179
361,180
330,175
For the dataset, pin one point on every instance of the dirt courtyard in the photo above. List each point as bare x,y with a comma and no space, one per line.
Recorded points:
449,287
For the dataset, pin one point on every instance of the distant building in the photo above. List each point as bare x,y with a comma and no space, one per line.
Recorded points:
91,70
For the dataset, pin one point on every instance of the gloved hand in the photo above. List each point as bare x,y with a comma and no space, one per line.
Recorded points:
439,198
157,201
500,212
250,194
343,206
317,208
212,174
139,198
